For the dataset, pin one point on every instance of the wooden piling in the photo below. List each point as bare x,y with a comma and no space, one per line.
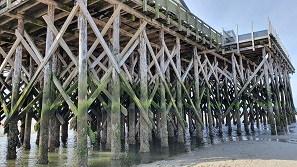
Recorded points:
28,119
180,132
199,133
82,109
46,98
144,128
269,99
141,76
115,114
164,112
237,104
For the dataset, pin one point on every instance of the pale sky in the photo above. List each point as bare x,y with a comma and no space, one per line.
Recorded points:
227,13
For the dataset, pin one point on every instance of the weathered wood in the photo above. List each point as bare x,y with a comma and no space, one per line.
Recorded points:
164,113
237,103
51,50
197,94
28,121
180,132
209,112
82,109
220,85
12,138
132,118
46,98
269,99
115,113
245,113
144,132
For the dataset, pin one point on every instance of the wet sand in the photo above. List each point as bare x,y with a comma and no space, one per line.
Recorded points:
265,151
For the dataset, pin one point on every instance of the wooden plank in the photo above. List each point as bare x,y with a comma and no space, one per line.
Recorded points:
11,64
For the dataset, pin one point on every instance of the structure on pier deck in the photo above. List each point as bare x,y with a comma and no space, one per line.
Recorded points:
101,65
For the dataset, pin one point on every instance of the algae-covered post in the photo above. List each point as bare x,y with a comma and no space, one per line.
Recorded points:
144,128
115,113
82,109
46,98
164,112
199,128
12,137
155,73
268,95
180,132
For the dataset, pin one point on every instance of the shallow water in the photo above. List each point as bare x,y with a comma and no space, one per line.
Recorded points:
130,156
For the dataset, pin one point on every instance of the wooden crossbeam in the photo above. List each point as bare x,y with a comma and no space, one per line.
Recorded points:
57,103
163,80
238,68
133,39
188,70
4,106
33,46
245,86
31,103
150,99
11,51
42,64
88,16
70,103
172,55
62,42
104,30
97,60
100,87
211,67
129,90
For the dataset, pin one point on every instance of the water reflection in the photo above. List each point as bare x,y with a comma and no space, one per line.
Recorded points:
98,156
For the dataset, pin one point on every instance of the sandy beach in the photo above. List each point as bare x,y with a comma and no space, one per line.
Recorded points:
266,151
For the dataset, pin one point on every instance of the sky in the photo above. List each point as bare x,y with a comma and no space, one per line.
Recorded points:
226,14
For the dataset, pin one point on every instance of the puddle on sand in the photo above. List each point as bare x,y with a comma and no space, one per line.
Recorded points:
130,155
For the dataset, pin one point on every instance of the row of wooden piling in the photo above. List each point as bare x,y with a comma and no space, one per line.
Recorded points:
141,92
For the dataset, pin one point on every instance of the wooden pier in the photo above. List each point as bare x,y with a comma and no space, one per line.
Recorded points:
148,69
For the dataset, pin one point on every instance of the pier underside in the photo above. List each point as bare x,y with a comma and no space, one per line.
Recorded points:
143,69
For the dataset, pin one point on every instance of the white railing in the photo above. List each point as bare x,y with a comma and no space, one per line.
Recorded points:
6,5
271,31
186,17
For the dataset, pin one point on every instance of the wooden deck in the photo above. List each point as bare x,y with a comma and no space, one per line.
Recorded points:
149,65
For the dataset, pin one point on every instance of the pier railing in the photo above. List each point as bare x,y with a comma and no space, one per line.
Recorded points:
6,5
272,32
231,37
184,16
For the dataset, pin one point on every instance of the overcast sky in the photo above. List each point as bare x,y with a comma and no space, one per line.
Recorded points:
227,13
